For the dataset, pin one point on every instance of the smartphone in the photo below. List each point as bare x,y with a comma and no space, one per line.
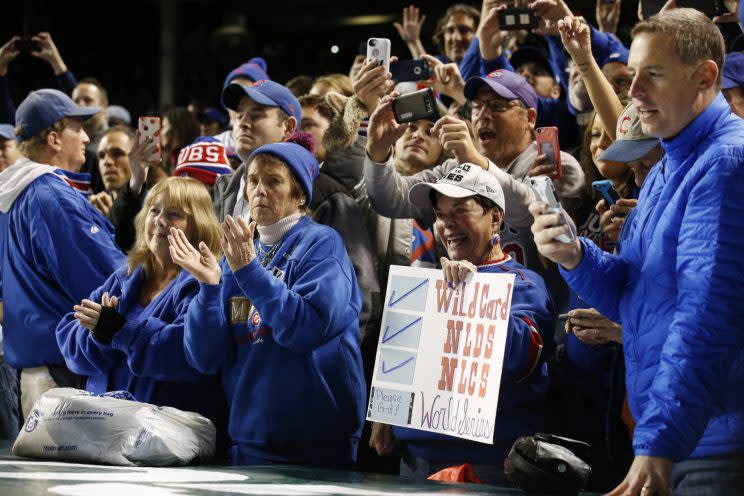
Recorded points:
379,49
545,192
410,70
411,107
27,46
515,19
547,143
607,190
710,8
149,126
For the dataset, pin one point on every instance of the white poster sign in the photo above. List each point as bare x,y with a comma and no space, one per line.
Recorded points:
440,353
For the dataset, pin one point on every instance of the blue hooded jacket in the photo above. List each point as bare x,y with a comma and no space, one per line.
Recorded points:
676,287
56,248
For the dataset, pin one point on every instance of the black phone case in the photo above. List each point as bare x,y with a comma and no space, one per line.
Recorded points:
410,70
414,106
518,16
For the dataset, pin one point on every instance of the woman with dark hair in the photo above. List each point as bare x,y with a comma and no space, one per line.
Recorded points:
180,129
469,206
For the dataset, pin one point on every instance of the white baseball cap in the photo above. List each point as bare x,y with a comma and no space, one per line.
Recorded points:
462,181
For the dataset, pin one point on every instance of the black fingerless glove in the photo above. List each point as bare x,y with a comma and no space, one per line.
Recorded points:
108,324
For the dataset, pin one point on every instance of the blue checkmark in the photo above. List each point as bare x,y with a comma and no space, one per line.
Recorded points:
393,369
396,366
387,337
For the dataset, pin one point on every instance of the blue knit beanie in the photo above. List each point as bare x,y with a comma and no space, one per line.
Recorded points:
297,153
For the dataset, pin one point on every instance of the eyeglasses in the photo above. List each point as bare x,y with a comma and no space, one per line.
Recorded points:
494,105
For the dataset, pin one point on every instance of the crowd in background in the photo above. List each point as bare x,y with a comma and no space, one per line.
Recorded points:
235,263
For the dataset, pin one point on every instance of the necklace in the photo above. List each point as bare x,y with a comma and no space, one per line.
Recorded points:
267,256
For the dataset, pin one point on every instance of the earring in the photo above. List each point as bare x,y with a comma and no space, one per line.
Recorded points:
495,239
302,201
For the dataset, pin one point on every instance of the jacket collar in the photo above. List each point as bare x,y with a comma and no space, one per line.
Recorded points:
681,147
131,286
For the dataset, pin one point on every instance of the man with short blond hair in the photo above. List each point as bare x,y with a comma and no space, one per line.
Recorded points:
677,281
55,248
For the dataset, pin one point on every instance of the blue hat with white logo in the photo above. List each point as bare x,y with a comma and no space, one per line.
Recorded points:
42,108
263,92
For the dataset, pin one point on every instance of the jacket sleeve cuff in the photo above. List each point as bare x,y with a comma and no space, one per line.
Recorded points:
585,265
248,276
124,337
209,294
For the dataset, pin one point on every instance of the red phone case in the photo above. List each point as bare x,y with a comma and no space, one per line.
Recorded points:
148,125
547,138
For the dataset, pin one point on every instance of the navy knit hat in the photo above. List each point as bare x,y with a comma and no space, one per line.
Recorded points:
254,69
297,153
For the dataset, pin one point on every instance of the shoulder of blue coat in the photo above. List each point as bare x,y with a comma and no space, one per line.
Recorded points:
522,274
311,233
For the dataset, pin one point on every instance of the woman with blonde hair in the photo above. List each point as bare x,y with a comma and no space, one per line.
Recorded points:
128,334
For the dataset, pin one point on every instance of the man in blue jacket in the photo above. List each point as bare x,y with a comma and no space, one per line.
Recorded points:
677,283
55,247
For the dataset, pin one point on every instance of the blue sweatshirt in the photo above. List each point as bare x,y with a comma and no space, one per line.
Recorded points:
676,287
286,339
146,356
56,249
524,378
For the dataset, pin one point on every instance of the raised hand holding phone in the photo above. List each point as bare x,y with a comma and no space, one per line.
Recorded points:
145,152
545,192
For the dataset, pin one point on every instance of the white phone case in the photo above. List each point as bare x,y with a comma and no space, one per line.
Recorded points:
545,192
379,49
149,126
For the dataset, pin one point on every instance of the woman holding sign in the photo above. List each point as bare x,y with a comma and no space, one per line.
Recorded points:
279,318
469,207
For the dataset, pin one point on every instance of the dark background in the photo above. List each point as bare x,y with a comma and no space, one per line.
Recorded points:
119,43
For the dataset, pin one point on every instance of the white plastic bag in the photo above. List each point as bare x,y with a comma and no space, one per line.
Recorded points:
74,425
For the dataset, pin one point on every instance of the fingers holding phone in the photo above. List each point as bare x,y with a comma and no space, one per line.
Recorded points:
371,83
593,328
383,130
454,134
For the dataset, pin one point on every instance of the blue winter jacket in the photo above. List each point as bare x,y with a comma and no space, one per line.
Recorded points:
676,287
524,377
56,249
146,356
286,339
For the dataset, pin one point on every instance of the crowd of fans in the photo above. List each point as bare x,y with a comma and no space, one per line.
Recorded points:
235,264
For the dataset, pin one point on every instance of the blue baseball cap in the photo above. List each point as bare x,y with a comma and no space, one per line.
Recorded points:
506,84
620,56
6,132
254,69
263,92
42,108
733,71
